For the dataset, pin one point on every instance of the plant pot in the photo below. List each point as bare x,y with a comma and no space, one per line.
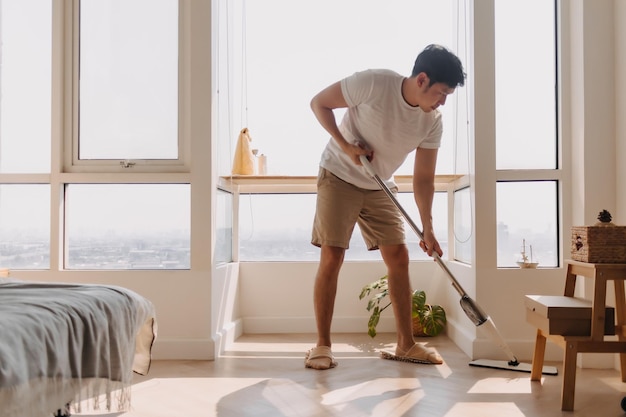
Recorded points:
418,330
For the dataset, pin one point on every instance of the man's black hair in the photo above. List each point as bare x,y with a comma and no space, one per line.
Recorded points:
441,66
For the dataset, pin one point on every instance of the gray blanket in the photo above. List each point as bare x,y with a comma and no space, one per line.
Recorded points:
63,343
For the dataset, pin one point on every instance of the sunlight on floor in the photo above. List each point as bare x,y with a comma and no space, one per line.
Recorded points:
483,409
502,386
382,394
290,398
209,390
374,387
614,383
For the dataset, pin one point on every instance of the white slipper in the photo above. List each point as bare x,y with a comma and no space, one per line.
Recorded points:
320,357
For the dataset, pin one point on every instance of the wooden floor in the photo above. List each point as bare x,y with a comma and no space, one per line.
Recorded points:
264,376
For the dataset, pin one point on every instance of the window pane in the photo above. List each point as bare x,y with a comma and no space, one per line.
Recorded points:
527,214
463,243
128,226
440,223
25,51
277,227
525,84
128,79
25,226
224,227
283,39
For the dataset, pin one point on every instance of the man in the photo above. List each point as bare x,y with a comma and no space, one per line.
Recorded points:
388,116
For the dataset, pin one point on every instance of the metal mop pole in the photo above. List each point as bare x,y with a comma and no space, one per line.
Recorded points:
469,306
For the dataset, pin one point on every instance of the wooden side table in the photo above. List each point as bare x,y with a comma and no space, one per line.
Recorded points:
595,342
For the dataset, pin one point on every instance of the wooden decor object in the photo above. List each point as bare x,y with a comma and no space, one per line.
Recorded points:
602,243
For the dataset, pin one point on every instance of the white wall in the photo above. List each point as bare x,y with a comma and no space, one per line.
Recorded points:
277,297
592,114
592,123
620,110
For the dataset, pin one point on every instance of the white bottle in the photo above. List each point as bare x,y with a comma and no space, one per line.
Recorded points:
262,165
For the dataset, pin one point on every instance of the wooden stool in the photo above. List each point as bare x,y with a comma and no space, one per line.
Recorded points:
600,324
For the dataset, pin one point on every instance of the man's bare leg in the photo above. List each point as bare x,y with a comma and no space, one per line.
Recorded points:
396,258
400,293
331,259
325,291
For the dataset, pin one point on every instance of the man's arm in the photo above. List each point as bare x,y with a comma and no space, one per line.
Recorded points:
423,192
323,105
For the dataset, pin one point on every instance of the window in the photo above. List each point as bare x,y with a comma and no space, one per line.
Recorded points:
272,58
525,84
277,227
526,135
224,227
99,179
25,226
127,226
281,53
527,222
25,123
463,232
25,52
128,84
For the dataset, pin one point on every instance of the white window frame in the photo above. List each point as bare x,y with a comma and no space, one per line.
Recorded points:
64,118
71,53
239,185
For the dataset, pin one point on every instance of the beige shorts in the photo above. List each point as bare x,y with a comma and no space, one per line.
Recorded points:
340,205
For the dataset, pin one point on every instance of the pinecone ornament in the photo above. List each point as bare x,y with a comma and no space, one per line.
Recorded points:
605,218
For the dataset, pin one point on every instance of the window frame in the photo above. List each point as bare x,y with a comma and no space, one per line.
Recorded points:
247,184
71,57
558,174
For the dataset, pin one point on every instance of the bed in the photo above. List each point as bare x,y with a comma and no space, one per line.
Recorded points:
75,344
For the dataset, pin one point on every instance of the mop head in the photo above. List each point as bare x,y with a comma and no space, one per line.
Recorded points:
394,357
417,354
519,367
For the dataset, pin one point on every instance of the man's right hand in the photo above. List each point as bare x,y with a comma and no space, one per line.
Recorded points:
355,151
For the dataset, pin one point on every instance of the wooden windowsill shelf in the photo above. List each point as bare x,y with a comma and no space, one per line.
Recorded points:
307,184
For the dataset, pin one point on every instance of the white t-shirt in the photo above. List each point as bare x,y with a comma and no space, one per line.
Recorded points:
379,116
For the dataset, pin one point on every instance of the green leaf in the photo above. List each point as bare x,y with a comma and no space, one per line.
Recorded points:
371,331
379,284
433,319
419,300
364,293
373,322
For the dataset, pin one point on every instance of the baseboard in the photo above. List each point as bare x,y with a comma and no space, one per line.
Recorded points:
197,349
183,349
461,337
478,345
227,336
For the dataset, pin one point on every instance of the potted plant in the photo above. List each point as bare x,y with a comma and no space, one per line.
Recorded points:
428,319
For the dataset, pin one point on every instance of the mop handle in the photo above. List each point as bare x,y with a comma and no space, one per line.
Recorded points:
370,170
472,310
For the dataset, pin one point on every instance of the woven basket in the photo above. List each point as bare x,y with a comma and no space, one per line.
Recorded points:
418,330
602,243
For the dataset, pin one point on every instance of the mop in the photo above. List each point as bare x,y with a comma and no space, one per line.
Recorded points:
471,309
